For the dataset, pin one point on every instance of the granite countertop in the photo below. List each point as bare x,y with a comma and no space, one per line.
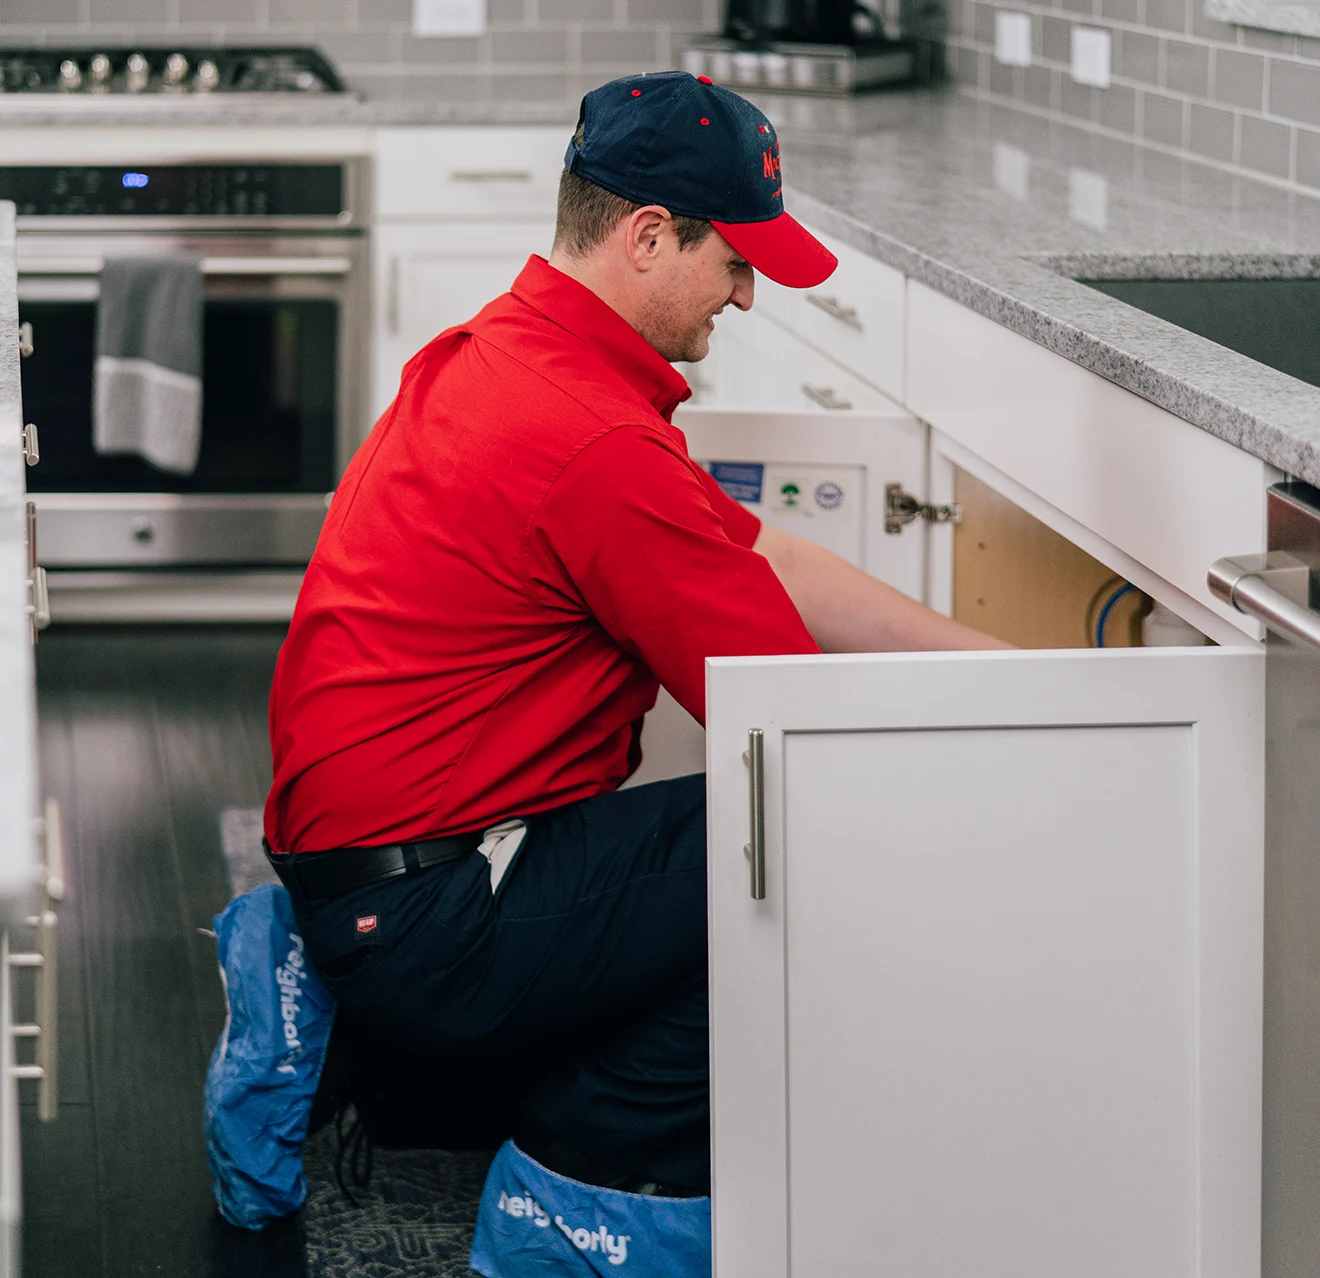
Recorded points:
18,783
284,110
994,206
998,209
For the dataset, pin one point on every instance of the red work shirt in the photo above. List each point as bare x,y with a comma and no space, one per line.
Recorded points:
517,557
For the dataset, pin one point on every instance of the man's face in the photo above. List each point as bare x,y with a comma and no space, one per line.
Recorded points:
694,286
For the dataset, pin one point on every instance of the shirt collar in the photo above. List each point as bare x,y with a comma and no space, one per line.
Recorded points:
575,308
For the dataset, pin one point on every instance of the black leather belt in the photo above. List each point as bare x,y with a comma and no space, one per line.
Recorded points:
313,875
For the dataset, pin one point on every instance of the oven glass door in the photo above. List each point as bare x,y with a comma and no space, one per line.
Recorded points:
272,383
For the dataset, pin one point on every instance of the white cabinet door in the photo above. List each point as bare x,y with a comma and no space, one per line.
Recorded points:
998,1014
757,363
820,475
433,275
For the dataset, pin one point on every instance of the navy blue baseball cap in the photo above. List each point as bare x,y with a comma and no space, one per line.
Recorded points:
700,151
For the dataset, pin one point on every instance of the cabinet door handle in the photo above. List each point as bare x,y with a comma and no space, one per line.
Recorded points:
39,608
392,294
45,959
492,175
31,444
25,347
824,396
833,307
754,851
31,516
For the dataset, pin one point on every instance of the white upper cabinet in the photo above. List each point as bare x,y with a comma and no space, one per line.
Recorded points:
998,1014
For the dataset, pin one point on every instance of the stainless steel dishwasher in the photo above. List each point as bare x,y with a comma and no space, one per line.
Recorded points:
1282,589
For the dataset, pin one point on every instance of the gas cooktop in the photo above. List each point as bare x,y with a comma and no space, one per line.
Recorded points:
188,71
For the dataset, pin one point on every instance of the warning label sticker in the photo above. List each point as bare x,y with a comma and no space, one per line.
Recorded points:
743,481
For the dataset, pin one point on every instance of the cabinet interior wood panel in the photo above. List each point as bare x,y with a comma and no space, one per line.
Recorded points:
1022,582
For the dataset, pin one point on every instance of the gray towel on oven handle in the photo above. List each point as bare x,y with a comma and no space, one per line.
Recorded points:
148,379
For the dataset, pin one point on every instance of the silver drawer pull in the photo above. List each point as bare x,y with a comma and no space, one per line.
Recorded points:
833,307
45,961
1251,585
824,396
31,444
25,347
754,851
492,175
39,608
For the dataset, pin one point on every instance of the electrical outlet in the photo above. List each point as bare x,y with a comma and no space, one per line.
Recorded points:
448,17
1091,56
1013,39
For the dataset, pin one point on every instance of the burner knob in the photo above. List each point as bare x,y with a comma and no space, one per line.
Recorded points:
100,68
70,75
139,72
207,77
176,68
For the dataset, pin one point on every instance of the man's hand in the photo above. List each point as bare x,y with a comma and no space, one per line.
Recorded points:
848,611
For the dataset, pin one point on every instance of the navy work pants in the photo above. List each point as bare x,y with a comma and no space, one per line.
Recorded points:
572,1000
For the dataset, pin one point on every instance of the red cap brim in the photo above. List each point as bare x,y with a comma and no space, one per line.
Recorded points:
782,249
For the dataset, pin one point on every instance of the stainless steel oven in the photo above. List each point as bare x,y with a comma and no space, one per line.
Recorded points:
285,321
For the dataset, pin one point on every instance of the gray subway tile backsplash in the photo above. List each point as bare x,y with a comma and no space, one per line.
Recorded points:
1187,68
1308,158
1169,15
1212,132
1239,78
1162,118
1266,146
1138,57
1295,91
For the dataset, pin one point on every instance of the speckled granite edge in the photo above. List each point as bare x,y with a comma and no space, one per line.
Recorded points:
18,786
1296,18
17,111
1027,299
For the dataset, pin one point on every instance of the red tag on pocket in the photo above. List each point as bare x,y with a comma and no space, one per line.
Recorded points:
367,923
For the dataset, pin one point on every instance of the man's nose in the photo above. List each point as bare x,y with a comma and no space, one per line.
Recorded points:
744,287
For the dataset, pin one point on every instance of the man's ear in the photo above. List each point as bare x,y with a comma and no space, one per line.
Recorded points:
645,234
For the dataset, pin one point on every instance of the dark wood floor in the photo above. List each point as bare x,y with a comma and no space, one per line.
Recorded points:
146,733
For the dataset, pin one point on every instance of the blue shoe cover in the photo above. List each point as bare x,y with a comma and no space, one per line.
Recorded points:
263,1075
534,1223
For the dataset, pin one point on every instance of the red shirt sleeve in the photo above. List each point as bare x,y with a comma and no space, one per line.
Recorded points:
632,533
741,526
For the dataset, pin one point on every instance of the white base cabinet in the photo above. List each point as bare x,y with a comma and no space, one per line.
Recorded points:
998,1014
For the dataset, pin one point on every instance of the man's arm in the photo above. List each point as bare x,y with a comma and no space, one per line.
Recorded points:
848,611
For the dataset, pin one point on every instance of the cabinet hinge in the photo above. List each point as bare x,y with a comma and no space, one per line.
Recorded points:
901,508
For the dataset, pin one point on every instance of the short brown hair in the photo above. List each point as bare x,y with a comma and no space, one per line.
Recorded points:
587,214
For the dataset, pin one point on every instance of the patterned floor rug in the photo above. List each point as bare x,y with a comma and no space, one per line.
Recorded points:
415,1217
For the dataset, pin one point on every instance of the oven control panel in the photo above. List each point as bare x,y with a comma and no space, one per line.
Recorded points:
176,190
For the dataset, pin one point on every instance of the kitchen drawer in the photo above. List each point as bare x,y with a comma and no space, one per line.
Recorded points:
759,364
468,172
1169,495
857,317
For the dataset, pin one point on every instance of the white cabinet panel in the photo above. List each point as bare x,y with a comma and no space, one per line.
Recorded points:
756,363
431,276
999,1012
474,173
1165,492
856,317
838,463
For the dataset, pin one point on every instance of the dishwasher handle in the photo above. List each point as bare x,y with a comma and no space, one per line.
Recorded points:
1271,589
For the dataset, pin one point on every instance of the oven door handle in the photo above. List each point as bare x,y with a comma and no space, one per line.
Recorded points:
249,266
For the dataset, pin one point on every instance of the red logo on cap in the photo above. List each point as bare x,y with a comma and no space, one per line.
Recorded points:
705,79
367,923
